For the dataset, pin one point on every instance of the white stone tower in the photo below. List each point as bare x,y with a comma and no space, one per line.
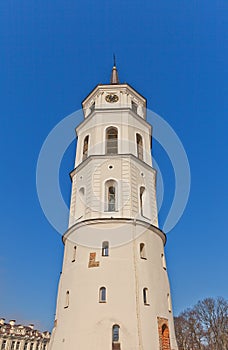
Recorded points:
114,290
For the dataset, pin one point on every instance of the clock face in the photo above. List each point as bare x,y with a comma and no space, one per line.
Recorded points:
112,98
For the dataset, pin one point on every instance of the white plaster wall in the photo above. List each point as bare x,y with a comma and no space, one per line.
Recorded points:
86,323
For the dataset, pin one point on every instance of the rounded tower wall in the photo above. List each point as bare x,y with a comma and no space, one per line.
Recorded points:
124,272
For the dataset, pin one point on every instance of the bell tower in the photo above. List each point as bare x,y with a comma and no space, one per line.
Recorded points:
114,290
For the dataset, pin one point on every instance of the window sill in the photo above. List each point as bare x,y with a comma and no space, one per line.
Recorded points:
109,211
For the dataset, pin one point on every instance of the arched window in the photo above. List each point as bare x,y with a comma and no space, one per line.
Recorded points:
67,299
12,345
141,199
105,248
111,195
74,253
115,333
165,337
111,198
145,296
85,147
142,251
111,140
102,295
139,146
80,205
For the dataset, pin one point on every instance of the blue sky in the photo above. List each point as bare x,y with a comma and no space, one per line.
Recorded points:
52,54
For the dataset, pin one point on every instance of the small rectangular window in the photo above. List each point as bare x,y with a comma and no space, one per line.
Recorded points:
169,302
67,299
74,254
163,261
105,248
12,345
142,251
145,296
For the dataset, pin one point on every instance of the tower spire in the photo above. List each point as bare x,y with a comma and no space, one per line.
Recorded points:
114,75
114,60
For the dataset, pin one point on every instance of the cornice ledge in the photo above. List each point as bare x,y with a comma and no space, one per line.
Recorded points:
130,221
104,156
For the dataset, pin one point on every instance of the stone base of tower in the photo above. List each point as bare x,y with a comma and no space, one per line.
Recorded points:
114,296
